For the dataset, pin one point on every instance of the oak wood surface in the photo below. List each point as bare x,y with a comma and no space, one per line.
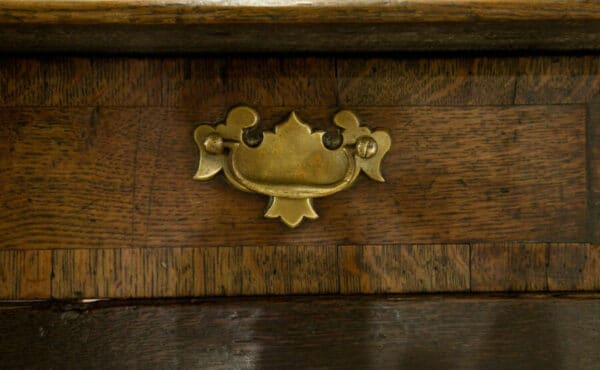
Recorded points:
289,11
117,177
492,179
572,266
503,80
593,155
291,270
190,82
355,332
407,268
26,274
513,267
151,26
193,82
184,272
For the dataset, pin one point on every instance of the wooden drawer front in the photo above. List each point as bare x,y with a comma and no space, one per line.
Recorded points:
493,179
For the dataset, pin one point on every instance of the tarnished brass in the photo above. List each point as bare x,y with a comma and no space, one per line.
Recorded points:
291,165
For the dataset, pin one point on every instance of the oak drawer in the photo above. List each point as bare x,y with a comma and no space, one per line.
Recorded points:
492,178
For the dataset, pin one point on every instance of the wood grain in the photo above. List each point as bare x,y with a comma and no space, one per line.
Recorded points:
314,270
284,11
186,272
283,270
25,274
178,82
335,333
152,26
195,83
93,178
593,169
496,154
83,177
404,268
426,81
521,36
574,267
80,81
509,267
557,80
468,81
535,267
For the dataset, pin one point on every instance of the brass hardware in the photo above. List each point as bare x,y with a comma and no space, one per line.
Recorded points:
292,165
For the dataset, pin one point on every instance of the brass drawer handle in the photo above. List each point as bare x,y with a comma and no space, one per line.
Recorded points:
292,165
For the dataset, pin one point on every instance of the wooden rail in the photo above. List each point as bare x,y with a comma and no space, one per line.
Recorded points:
150,26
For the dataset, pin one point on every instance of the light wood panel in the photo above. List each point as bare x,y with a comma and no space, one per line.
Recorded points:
185,272
279,270
25,274
404,268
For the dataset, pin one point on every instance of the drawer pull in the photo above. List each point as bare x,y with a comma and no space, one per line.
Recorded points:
292,164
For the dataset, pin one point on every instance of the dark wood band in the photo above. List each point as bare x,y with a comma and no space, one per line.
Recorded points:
363,25
530,332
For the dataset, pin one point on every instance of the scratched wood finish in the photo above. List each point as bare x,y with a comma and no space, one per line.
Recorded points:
97,201
335,333
152,26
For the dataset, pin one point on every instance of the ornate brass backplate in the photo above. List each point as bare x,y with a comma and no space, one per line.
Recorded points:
291,165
